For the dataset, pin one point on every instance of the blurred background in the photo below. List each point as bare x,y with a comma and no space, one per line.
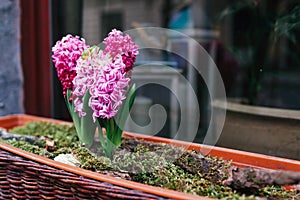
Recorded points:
254,43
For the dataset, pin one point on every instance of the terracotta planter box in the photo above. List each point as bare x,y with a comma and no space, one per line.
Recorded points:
25,175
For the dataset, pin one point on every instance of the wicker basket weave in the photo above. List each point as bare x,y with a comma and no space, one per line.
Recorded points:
21,178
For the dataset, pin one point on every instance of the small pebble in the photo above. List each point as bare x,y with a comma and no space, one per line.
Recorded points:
67,159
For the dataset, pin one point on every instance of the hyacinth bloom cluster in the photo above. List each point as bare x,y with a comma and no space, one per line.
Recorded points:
66,52
96,86
105,80
117,44
103,75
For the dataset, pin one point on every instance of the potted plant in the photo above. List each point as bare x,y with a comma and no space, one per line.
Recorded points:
96,85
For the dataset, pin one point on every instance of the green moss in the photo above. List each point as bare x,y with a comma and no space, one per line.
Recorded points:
63,135
39,150
274,192
140,149
26,146
210,168
90,161
175,178
137,162
63,150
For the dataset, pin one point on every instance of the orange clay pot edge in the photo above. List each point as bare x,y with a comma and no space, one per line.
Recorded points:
239,158
20,119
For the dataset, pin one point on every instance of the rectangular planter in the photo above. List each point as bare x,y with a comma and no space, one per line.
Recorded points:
25,175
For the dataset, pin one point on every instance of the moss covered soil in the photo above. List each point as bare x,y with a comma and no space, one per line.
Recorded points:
154,164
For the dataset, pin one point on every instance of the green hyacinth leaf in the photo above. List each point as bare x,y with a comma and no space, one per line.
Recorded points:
88,126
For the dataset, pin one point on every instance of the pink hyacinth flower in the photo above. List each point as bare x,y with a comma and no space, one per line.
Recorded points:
66,52
104,79
117,44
